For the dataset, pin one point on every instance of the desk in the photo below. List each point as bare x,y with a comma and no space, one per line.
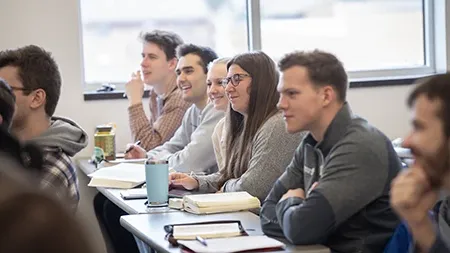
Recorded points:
149,228
133,206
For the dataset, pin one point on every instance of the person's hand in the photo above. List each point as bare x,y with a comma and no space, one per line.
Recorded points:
135,152
134,89
412,196
300,193
181,179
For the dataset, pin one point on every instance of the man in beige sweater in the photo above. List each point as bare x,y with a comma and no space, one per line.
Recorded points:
166,104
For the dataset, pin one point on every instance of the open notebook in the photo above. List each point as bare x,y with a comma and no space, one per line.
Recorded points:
235,244
208,229
122,175
220,202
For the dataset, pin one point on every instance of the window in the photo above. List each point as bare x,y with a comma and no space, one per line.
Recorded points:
364,34
111,46
375,39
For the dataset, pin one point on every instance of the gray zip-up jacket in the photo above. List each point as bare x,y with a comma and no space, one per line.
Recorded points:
191,147
348,210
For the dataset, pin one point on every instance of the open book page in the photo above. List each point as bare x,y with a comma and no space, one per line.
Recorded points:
235,244
206,231
122,172
122,160
221,199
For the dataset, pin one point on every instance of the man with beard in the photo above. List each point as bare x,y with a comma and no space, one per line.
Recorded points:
415,191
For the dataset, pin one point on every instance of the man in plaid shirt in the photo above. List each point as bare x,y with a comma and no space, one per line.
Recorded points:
167,106
34,77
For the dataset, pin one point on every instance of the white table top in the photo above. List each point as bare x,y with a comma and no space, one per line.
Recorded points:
150,228
133,206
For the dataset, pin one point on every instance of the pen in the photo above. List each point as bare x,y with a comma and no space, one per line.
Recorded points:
201,240
131,147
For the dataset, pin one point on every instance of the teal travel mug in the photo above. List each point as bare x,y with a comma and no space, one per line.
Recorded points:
157,180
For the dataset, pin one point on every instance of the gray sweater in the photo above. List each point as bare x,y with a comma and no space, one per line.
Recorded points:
349,209
191,148
272,151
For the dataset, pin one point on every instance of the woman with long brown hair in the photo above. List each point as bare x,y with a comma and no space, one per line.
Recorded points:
258,148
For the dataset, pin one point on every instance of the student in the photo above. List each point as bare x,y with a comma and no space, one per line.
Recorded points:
415,191
258,148
190,149
35,79
31,221
216,92
336,190
166,104
10,145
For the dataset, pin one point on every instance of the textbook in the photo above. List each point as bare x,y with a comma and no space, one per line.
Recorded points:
220,202
122,176
215,230
234,244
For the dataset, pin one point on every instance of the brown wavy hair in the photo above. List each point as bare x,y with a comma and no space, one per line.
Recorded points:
262,105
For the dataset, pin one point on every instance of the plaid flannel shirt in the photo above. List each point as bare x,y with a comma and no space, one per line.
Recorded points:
59,176
166,114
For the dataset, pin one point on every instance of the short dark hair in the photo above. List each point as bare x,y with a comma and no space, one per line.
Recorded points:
166,40
37,70
435,87
323,69
206,54
7,104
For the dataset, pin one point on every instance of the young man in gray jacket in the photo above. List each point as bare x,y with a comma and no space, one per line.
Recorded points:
34,77
191,148
415,192
335,192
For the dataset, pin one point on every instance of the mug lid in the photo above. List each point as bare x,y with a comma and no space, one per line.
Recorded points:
155,161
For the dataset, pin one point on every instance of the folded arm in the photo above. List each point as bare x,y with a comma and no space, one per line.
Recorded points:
353,177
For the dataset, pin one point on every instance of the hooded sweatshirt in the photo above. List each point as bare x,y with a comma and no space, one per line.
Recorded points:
62,140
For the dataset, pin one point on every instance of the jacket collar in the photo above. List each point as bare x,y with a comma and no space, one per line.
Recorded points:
334,132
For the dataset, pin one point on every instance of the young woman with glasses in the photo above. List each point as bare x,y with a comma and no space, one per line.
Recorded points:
258,148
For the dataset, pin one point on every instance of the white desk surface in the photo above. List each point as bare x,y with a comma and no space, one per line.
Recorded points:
150,228
133,206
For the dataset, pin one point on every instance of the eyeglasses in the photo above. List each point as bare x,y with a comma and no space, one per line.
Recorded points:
18,88
235,79
21,88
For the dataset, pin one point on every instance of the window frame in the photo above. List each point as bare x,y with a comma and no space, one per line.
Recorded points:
436,51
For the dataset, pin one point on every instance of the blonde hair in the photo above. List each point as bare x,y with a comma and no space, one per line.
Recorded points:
222,60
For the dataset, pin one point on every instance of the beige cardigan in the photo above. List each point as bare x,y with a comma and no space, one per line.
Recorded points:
273,149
